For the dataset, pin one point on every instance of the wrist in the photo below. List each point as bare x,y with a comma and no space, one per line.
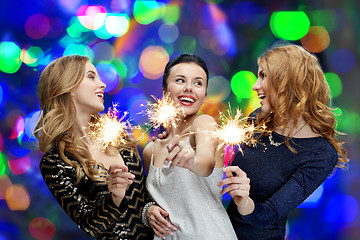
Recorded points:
246,207
144,213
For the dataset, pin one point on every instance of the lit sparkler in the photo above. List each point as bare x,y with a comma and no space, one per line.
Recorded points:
110,130
235,130
164,112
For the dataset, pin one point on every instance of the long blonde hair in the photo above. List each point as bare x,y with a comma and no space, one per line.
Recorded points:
57,126
301,90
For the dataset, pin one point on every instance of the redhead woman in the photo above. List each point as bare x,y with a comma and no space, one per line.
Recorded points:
297,154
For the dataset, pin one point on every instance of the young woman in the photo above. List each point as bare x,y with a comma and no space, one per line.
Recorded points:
184,168
103,191
289,163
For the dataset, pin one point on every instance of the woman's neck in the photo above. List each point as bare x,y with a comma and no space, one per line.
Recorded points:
301,130
82,122
183,125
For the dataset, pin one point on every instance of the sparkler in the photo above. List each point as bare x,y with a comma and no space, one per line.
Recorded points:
110,130
163,112
235,131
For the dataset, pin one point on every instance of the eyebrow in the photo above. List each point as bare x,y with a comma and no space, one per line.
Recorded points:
184,77
91,71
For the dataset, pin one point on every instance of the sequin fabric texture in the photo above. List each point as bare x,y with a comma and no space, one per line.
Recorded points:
280,180
89,203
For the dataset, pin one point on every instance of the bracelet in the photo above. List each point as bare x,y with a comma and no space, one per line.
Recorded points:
144,212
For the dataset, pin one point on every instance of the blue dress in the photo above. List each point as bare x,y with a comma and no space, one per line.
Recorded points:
280,180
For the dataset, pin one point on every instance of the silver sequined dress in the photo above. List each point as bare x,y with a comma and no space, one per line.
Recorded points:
193,203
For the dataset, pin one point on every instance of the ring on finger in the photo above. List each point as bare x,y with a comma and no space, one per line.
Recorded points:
180,146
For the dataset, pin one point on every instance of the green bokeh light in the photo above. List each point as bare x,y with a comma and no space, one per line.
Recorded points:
187,44
79,49
324,17
37,54
335,84
172,14
3,163
146,12
120,67
76,29
10,61
241,84
289,25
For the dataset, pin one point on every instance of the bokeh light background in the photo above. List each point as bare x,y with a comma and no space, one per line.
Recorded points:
130,42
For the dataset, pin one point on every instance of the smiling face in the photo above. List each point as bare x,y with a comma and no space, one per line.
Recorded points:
186,84
88,95
267,96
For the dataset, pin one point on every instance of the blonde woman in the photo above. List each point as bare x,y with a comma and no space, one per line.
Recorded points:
102,191
269,180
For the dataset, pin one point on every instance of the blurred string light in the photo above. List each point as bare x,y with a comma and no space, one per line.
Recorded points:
289,25
168,33
146,12
334,83
20,165
171,13
187,44
341,208
342,60
17,198
92,17
32,56
79,49
117,24
223,40
42,228
76,29
103,52
109,75
70,5
10,61
37,26
3,163
5,182
326,18
152,62
218,89
1,95
241,84
316,40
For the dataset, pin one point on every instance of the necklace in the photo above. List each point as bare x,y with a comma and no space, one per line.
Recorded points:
276,144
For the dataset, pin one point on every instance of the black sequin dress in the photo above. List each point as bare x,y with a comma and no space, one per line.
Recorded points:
89,204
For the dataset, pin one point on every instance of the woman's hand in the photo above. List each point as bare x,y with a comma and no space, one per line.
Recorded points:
180,155
117,181
238,187
158,219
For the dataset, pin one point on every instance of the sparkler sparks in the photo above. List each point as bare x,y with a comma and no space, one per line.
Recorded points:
163,112
236,130
110,130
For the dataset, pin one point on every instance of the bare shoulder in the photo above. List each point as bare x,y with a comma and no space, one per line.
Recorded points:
204,121
147,151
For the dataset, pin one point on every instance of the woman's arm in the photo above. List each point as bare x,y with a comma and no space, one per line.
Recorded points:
94,217
199,159
147,152
307,178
